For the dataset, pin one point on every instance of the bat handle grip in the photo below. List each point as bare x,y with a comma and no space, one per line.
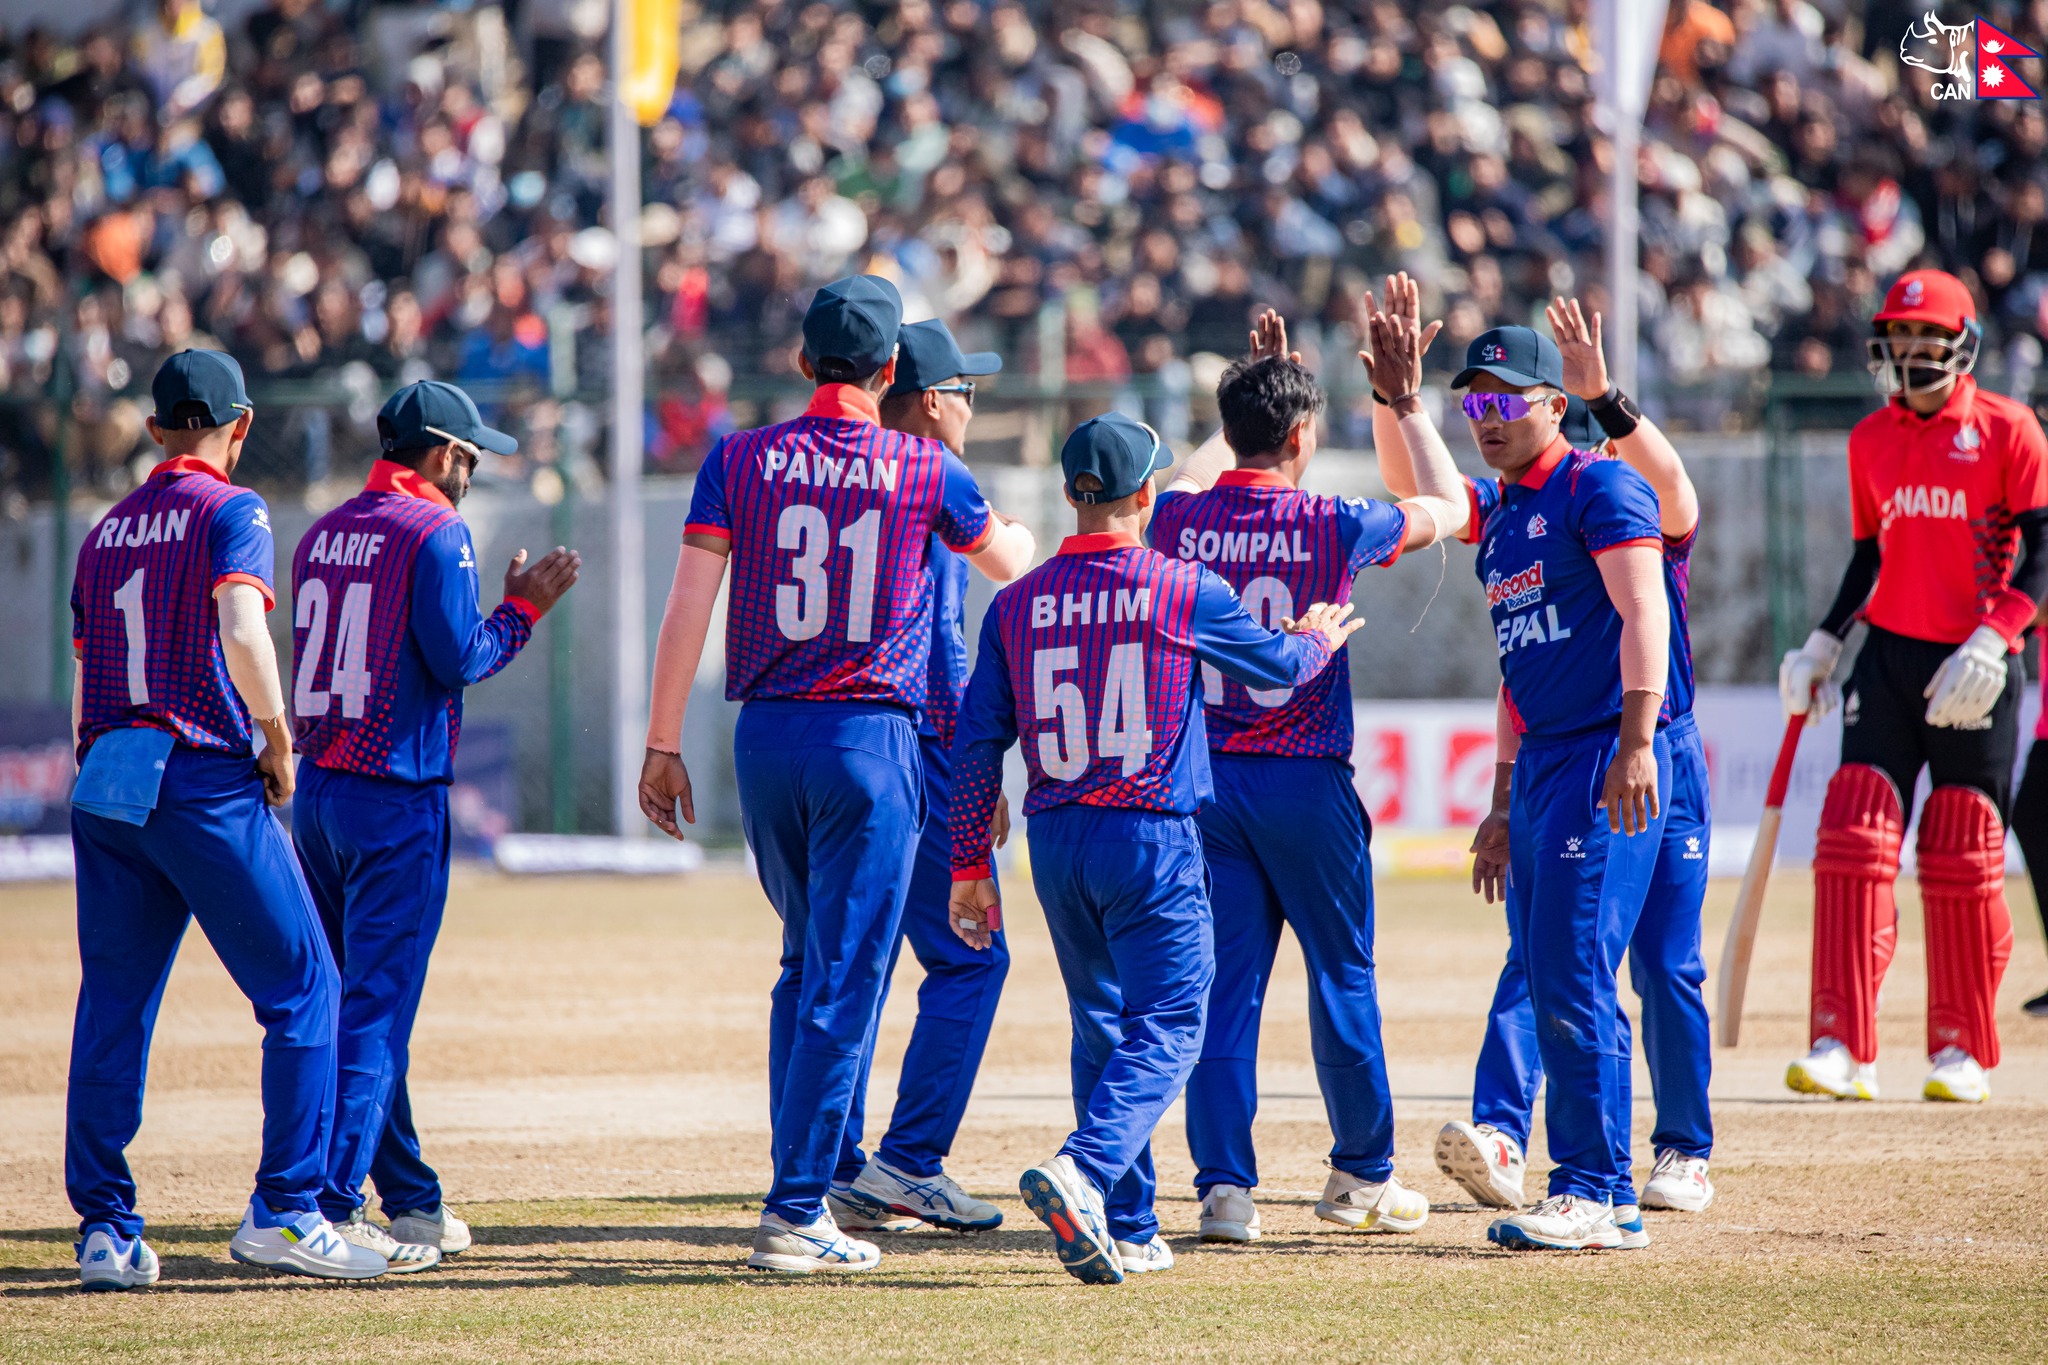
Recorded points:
1781,773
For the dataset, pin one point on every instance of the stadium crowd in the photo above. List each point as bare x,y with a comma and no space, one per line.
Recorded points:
388,190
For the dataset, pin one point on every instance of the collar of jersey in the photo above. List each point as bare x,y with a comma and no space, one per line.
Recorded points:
847,402
389,476
187,464
1251,478
1539,473
1962,401
1099,543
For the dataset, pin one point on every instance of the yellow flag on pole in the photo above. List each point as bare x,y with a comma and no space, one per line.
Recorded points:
653,32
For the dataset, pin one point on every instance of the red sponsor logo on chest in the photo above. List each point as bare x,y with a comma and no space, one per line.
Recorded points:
1516,590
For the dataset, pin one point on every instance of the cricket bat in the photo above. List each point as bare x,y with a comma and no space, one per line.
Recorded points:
1749,899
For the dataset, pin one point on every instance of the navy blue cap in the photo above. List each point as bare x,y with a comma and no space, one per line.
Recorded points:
1123,453
927,354
208,379
1520,355
1578,427
850,328
430,413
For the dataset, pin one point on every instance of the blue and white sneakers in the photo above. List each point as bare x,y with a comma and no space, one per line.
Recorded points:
781,1245
1068,1203
437,1227
1628,1218
109,1261
1679,1182
301,1244
1142,1258
881,1190
1563,1222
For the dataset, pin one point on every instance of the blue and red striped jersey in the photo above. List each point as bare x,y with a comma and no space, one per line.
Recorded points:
946,679
1282,549
1091,658
387,630
142,609
830,517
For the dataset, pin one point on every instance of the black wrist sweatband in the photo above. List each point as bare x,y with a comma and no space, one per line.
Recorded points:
1617,415
1381,399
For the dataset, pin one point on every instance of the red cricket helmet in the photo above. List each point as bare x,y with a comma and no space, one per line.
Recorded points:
1921,364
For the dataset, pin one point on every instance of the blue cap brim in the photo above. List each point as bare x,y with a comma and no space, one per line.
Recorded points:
1526,380
980,363
495,441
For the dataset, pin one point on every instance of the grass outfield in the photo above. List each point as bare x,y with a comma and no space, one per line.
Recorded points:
587,1075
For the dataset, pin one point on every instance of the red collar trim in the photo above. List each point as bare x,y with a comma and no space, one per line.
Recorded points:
1961,404
389,476
188,464
1099,542
1251,478
847,402
1552,456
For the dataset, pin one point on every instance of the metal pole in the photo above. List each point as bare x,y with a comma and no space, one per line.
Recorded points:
562,620
629,586
60,527
1621,258
1626,34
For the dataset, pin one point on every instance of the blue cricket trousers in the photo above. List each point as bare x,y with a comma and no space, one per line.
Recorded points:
375,853
831,797
1126,900
210,851
1266,811
956,1005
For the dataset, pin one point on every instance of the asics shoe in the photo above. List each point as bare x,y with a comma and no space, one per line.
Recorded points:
1956,1078
301,1244
1067,1202
1229,1215
1628,1218
1142,1258
882,1189
781,1245
846,1209
1678,1182
1362,1206
435,1227
107,1260
1830,1070
1563,1222
406,1258
1486,1161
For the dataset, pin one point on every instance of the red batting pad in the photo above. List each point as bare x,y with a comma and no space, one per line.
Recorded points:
1855,924
1969,932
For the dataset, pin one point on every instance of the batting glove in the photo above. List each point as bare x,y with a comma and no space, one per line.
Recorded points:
1804,687
1969,681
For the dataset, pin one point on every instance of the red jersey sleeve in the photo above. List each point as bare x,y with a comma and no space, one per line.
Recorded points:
2026,465
1865,516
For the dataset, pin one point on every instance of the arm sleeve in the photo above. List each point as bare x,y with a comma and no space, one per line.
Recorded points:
963,520
679,648
1865,517
987,729
460,644
1226,635
1397,472
240,543
1373,533
246,645
1650,453
2026,492
1857,581
1480,500
1200,470
1440,494
708,514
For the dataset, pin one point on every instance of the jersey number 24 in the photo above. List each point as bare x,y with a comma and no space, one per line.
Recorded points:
350,678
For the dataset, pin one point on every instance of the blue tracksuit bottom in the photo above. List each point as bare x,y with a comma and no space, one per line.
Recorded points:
1576,895
210,851
956,1005
1667,971
375,853
1126,901
832,801
1265,812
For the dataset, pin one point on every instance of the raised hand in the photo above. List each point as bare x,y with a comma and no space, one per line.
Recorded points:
1269,338
1397,338
1325,619
544,583
665,791
1578,341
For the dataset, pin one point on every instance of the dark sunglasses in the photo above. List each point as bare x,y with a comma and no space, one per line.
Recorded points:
1513,407
965,388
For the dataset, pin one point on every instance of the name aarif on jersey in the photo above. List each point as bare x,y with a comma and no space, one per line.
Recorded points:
1243,547
1926,500
1071,609
146,530
830,471
349,549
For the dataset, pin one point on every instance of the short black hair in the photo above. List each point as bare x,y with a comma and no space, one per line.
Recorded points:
1262,400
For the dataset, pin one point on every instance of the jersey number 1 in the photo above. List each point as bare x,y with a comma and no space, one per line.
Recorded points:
351,674
1124,731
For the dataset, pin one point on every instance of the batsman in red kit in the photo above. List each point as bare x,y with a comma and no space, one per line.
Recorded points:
1949,491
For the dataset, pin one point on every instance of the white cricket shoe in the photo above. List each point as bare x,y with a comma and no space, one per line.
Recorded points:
1229,1215
1563,1222
1362,1206
436,1227
406,1258
1142,1258
1486,1161
880,1189
1628,1219
1830,1070
1066,1201
108,1261
841,1204
1956,1078
781,1245
1678,1182
301,1244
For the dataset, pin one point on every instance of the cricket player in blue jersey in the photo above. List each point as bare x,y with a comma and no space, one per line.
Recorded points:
826,521
387,633
1094,654
175,675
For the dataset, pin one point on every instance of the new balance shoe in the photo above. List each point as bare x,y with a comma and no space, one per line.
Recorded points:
1229,1215
1678,1182
1142,1258
1628,1219
406,1258
436,1227
1486,1161
1830,1070
301,1244
781,1245
1371,1206
1956,1078
936,1199
1067,1202
846,1208
109,1261
1563,1222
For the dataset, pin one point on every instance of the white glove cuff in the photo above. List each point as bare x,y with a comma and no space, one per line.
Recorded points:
1825,650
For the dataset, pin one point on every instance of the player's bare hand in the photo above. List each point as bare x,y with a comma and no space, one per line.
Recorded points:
1269,338
999,823
1326,619
976,912
1629,795
1578,341
544,583
274,765
665,792
1490,857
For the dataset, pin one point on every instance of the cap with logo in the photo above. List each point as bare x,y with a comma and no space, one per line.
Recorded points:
1930,296
1578,428
429,413
927,354
195,390
1520,355
1119,451
850,329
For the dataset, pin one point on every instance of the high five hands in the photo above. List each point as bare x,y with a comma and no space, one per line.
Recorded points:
1397,339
